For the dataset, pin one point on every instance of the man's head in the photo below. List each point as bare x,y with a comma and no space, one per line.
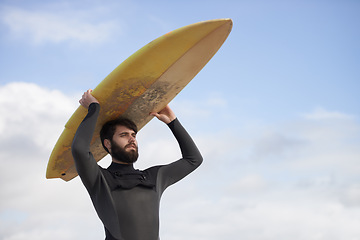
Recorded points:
118,138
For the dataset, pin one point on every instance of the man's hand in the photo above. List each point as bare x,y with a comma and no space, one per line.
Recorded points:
166,115
87,99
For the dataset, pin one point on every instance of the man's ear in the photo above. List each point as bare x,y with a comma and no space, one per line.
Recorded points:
107,144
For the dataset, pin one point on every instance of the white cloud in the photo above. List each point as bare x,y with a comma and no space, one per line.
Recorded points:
291,180
321,114
304,186
252,182
32,118
33,113
42,26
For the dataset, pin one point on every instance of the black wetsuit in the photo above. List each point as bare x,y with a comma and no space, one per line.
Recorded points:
127,200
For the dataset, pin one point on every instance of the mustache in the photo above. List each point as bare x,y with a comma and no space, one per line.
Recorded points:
131,145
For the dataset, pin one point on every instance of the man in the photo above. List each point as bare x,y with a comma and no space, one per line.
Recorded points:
127,200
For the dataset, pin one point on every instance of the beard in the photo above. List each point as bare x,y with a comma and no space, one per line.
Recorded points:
122,155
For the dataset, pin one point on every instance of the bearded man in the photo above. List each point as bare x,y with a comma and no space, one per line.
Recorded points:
127,200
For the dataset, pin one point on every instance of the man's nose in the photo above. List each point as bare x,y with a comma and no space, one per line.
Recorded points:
132,139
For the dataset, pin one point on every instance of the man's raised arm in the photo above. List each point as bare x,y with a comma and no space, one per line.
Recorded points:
191,157
85,163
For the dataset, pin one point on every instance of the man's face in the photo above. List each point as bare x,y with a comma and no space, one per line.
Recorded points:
124,146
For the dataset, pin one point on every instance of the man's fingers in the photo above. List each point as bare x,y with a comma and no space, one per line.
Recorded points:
155,114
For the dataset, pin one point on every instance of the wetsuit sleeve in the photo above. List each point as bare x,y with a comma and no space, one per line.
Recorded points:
85,163
191,158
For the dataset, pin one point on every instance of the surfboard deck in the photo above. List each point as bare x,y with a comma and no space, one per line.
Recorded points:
145,82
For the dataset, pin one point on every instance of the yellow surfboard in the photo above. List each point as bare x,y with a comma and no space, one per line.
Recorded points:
145,82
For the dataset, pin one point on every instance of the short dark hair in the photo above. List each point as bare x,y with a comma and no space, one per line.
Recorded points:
109,128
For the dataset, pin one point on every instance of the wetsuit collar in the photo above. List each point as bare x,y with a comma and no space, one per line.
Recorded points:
118,167
126,177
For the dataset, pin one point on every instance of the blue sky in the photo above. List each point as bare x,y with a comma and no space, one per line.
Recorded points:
275,114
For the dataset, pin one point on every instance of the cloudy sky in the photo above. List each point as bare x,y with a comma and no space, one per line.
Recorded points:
275,113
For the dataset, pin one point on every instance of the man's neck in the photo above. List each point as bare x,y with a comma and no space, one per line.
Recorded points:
120,162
